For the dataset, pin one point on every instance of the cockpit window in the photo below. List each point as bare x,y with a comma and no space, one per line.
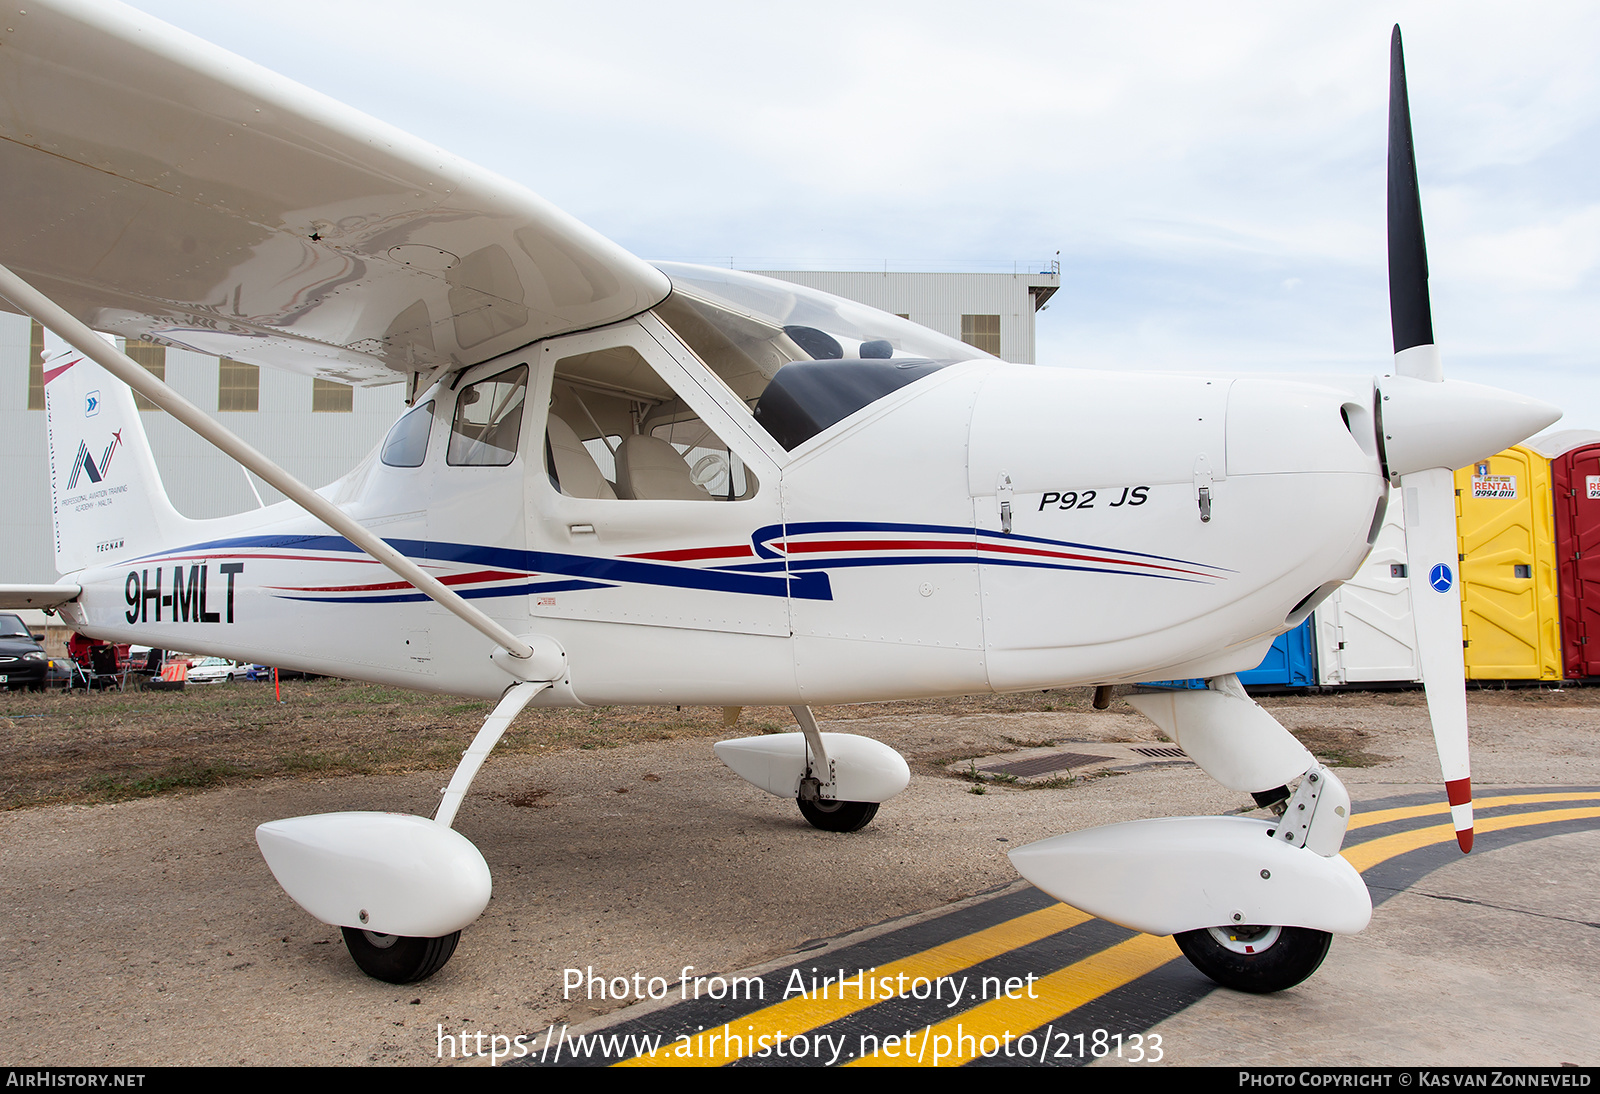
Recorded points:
747,328
407,442
488,420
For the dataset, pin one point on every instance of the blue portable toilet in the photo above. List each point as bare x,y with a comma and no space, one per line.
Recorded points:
1290,663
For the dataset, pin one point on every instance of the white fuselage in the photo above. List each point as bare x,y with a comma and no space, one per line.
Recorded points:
872,561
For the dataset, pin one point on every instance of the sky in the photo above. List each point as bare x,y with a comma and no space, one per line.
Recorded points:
1212,175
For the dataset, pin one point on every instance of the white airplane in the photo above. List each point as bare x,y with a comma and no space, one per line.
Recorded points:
625,483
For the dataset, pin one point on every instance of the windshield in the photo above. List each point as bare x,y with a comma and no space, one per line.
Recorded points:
746,328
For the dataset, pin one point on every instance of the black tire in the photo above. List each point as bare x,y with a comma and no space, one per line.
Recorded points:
399,959
831,816
1278,961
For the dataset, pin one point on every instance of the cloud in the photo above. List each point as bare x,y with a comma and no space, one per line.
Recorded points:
1189,161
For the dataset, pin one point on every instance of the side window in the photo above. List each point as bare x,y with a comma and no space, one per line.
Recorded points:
407,442
617,430
488,420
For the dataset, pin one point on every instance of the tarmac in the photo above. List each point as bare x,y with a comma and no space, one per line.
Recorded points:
150,932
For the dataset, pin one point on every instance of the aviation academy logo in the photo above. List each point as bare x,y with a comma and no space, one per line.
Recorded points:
84,463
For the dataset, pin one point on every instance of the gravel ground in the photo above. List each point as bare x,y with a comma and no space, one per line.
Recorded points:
148,931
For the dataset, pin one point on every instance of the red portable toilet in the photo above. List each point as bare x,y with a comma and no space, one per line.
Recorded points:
1575,489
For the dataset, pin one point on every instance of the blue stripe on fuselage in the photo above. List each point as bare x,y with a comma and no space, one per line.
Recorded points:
809,586
798,577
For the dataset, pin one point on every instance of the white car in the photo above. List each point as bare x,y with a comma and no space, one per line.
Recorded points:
215,670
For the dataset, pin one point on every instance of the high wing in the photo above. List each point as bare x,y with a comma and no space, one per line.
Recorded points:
220,207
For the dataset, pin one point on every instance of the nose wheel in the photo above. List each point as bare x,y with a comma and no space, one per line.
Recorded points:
835,816
397,958
1259,959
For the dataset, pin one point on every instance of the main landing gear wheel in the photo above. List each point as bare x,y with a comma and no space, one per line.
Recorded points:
832,816
1256,959
397,958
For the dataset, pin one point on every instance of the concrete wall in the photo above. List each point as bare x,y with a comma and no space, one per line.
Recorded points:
939,300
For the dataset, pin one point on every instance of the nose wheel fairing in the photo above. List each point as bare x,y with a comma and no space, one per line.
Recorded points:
1252,902
1175,874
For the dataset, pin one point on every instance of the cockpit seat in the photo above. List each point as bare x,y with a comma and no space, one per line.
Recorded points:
576,472
650,468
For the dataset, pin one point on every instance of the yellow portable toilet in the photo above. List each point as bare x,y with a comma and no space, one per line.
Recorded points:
1510,607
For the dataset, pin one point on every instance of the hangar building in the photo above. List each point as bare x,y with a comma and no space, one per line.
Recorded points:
318,430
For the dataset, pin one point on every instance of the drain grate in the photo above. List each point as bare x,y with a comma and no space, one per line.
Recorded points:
1043,765
1162,753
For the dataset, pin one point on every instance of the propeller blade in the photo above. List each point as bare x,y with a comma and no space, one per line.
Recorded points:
1430,506
1410,313
1429,494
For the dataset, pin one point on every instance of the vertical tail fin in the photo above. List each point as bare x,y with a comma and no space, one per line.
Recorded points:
105,491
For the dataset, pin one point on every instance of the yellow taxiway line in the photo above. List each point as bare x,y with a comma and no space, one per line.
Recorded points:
1057,994
801,1014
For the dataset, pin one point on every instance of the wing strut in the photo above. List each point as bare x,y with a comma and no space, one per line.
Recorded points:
86,342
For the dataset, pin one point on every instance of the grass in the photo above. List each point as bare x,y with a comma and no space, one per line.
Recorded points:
1339,746
113,746
111,788
116,746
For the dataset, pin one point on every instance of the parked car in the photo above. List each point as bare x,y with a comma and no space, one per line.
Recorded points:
215,670
264,672
22,660
60,672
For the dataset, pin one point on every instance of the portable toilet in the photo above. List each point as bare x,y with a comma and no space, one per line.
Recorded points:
1364,632
1575,486
1290,663
1510,609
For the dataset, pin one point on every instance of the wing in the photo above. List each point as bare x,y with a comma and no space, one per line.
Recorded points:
157,186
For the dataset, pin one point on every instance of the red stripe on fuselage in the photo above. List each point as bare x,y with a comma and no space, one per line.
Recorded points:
291,558
1006,548
818,547
53,373
691,554
449,579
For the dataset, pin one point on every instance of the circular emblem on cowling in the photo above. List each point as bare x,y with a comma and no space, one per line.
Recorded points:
1441,578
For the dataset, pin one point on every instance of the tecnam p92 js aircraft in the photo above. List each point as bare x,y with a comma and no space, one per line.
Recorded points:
626,483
